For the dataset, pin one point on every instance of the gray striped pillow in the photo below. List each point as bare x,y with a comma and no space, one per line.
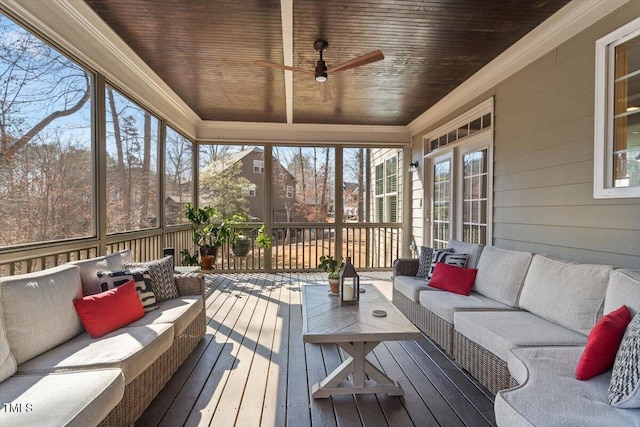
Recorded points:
624,388
448,257
112,279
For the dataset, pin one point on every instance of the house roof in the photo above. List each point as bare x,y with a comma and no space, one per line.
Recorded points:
205,52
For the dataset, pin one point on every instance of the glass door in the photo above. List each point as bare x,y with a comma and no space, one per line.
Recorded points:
441,174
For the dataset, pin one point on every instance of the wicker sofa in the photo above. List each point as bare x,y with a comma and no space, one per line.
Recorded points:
523,309
54,373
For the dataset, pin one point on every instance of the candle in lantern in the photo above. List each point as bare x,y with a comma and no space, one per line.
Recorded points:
347,292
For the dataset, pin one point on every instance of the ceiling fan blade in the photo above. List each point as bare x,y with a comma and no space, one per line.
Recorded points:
325,92
283,67
370,57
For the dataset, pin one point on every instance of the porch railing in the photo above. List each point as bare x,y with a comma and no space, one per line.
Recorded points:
295,247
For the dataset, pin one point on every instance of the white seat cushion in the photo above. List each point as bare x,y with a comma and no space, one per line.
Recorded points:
178,311
500,331
64,399
623,289
549,394
38,310
411,286
571,295
445,304
501,274
131,349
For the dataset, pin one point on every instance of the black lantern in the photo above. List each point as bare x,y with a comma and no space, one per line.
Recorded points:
349,284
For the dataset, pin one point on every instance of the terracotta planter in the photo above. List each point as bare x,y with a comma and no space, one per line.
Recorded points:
207,261
334,285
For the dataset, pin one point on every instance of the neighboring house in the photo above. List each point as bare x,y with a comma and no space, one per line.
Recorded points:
283,187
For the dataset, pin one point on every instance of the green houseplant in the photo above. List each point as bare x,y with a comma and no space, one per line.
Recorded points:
207,236
331,266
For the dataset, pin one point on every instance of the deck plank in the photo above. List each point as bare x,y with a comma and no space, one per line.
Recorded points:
298,413
230,333
252,368
274,409
178,395
252,402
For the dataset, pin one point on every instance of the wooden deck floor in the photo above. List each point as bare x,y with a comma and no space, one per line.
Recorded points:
252,368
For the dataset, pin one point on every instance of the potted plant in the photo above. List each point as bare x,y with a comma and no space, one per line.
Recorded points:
206,236
240,244
263,240
331,266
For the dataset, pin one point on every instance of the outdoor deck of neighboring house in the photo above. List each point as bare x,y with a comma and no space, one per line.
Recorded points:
253,368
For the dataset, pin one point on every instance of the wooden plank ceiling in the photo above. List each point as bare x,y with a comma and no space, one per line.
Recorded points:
204,50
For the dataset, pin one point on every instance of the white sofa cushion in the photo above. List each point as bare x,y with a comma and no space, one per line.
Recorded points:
623,289
66,399
8,364
38,310
89,269
131,349
501,274
179,312
500,331
549,394
411,286
473,251
571,295
445,304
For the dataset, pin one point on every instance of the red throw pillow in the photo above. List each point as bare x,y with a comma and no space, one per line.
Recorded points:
453,279
110,310
602,344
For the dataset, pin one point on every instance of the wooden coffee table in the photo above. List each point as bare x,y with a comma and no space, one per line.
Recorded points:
357,331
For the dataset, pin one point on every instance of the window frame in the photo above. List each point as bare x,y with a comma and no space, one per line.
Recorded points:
455,152
603,124
382,199
258,166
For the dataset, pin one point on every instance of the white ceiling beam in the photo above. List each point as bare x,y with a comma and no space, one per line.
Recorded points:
286,11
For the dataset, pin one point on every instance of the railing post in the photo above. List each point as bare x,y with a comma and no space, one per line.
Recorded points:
338,208
268,205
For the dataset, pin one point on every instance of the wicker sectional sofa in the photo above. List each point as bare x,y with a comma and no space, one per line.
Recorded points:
524,327
53,373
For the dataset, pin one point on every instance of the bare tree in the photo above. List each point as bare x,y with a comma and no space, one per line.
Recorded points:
37,86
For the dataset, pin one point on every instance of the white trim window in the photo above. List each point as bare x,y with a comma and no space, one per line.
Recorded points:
258,166
289,191
386,190
459,156
250,190
617,114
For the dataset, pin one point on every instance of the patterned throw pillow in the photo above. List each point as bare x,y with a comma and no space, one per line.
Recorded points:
448,257
164,286
424,262
112,279
624,389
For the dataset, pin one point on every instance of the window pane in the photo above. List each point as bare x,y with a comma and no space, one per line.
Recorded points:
475,176
441,218
392,175
178,178
232,180
379,179
355,178
132,165
310,172
626,136
46,151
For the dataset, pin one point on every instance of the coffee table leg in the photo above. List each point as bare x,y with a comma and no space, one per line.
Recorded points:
356,365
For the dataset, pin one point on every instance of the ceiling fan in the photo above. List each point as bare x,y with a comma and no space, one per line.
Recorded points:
321,71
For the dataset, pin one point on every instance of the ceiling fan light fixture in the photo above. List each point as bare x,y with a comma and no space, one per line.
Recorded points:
321,77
